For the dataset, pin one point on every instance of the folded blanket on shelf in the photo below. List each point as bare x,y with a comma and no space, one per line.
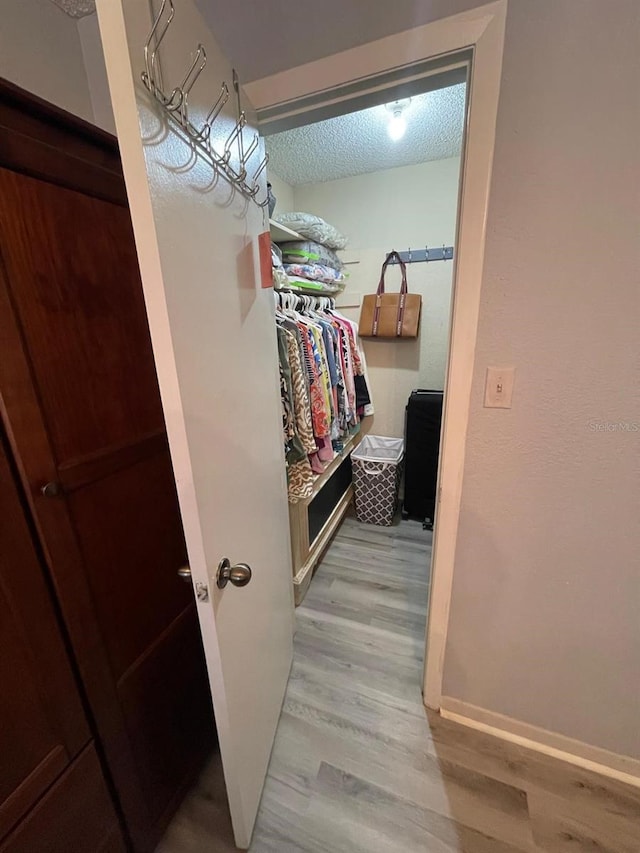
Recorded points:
321,287
309,252
282,281
315,272
313,228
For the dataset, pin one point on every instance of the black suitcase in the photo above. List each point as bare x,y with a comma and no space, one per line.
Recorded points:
422,446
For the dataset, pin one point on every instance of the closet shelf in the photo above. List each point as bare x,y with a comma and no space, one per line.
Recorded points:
350,444
282,234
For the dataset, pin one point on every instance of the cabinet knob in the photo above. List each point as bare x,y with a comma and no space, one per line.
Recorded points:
51,490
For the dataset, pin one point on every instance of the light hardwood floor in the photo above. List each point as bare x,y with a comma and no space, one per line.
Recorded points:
358,766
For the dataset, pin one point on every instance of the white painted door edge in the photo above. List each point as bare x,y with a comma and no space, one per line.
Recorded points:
481,29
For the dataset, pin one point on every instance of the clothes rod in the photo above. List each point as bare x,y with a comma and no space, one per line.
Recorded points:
416,256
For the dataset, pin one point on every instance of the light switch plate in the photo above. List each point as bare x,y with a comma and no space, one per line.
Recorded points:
498,390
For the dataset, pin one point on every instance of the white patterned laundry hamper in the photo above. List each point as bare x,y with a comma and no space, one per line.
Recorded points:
377,468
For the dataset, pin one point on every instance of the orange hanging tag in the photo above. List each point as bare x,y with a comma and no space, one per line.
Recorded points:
266,267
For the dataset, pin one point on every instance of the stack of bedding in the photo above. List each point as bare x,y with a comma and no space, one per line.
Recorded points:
310,264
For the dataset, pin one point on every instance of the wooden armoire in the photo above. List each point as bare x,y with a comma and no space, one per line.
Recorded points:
105,712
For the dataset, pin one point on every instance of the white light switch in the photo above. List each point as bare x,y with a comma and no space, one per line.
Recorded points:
499,388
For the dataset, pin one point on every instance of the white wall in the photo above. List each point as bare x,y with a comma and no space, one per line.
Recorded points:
397,209
283,193
40,51
544,621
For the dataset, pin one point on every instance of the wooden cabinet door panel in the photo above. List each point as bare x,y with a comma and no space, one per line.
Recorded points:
42,724
131,541
74,280
83,408
147,619
165,692
75,816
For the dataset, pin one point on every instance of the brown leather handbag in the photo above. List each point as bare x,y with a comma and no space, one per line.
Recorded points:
391,315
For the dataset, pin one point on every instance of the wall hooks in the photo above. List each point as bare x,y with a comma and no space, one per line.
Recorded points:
176,106
256,185
234,136
416,256
260,170
247,154
149,74
187,84
214,112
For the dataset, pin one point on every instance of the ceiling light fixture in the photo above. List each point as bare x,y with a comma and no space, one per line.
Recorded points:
397,121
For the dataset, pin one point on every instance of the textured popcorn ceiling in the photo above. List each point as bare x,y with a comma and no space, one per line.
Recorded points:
76,8
358,143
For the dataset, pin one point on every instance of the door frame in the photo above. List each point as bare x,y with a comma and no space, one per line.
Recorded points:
296,92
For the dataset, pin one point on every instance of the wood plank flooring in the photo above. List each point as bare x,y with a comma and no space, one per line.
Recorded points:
359,766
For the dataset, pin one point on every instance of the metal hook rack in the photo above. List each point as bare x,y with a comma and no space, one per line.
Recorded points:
176,106
417,256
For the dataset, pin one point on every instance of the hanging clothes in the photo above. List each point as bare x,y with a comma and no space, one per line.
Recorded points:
299,474
324,388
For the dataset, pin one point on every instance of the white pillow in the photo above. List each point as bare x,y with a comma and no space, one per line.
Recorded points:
313,228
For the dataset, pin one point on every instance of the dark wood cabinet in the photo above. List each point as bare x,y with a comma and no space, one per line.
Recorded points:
75,814
42,723
84,424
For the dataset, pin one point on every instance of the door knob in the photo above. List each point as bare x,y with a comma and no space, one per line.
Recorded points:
239,575
184,572
51,490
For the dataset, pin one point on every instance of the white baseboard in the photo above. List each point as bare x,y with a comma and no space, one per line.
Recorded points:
609,764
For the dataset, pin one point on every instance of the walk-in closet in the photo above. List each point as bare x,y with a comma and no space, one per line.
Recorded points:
362,406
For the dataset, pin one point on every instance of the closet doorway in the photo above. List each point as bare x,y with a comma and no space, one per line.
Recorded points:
385,177
396,64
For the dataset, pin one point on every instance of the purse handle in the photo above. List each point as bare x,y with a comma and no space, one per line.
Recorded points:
403,268
380,292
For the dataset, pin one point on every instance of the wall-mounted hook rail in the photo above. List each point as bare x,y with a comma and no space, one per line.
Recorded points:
418,256
176,106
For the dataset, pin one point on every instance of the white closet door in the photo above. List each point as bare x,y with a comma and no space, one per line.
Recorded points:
215,348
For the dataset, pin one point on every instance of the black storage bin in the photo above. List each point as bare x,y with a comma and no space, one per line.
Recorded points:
422,446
